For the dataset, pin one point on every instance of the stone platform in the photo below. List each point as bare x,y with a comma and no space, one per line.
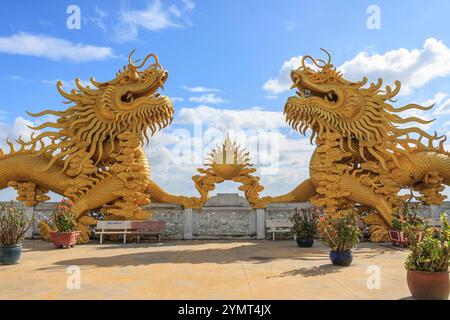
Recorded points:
202,270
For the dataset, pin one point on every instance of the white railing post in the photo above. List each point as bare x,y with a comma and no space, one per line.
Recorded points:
260,224
188,223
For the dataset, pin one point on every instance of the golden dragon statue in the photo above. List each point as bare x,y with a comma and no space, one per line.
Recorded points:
92,152
366,151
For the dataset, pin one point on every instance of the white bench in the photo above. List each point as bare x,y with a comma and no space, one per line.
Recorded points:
278,226
114,227
130,227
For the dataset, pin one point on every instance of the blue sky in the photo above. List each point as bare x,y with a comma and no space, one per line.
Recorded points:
228,62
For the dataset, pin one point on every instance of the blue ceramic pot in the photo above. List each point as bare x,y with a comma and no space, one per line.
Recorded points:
341,258
10,254
305,243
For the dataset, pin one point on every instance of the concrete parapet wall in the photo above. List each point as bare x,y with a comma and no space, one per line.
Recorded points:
225,216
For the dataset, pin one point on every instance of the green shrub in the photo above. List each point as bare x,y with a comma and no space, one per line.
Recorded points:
408,216
63,217
14,223
340,233
432,253
305,223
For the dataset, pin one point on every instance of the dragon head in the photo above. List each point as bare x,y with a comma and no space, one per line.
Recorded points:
134,92
325,99
327,102
128,103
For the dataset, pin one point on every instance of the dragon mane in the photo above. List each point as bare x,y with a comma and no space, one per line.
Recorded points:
365,117
95,118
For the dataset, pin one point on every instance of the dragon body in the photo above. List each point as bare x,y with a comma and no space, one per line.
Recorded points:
367,152
92,152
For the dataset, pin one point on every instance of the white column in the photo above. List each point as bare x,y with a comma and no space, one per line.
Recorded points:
252,226
188,223
260,224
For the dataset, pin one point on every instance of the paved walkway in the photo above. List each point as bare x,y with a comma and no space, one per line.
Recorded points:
202,270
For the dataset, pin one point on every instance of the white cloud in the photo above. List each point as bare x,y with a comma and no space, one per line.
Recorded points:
176,99
289,26
422,114
188,4
414,68
282,165
27,44
15,130
14,78
174,9
232,119
209,98
200,89
443,107
283,82
99,19
155,17
437,99
292,154
68,84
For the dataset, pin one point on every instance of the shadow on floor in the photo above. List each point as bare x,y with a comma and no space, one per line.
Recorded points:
191,252
165,243
310,271
198,256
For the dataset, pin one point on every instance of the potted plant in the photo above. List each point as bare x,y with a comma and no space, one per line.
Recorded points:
14,223
304,226
64,221
341,234
427,264
407,225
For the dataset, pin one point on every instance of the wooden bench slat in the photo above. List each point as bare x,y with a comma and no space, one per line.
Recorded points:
278,223
113,225
130,227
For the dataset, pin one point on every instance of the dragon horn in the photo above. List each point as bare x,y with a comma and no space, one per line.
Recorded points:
328,54
152,55
130,56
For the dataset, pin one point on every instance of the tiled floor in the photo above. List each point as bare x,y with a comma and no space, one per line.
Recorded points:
203,270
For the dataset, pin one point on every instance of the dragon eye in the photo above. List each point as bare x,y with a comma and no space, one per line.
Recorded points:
331,97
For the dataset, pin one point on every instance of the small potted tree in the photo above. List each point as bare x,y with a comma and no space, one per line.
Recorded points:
406,223
427,264
64,220
14,223
304,226
341,234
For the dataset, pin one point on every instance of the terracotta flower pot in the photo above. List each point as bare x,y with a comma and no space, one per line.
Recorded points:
64,239
428,285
